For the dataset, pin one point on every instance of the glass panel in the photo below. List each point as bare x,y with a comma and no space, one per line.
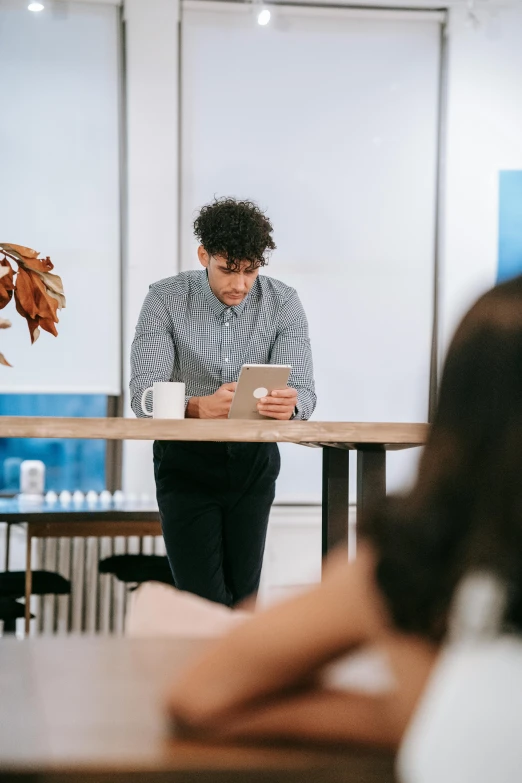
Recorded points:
69,464
509,225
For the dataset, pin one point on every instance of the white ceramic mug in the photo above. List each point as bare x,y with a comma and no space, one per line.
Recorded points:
168,400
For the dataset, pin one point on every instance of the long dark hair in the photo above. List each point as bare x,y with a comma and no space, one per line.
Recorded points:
464,513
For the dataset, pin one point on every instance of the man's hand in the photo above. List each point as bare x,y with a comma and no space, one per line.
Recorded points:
215,406
280,404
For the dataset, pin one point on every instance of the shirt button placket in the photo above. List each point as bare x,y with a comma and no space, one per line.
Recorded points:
226,346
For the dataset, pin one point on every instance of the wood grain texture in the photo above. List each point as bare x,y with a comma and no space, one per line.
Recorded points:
92,709
345,434
71,515
109,529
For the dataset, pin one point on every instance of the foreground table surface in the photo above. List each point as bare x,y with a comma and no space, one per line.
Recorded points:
347,434
92,708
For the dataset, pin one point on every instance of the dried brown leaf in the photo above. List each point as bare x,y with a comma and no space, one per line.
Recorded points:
4,323
38,293
22,253
35,304
6,282
28,259
54,287
4,361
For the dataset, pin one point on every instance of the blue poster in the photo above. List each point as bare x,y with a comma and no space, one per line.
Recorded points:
509,225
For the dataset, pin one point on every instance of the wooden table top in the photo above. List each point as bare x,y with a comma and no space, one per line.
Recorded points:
19,510
92,708
345,434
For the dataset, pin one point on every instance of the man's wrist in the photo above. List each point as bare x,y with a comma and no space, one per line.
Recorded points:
192,411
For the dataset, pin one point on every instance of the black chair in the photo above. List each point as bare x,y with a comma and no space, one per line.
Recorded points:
10,611
12,584
138,568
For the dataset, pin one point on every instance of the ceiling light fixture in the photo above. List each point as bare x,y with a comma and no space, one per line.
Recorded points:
263,17
35,7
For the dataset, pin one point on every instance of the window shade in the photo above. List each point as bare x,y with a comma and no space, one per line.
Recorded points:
59,153
328,119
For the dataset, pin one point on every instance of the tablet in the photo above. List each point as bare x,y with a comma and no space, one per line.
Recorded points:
256,381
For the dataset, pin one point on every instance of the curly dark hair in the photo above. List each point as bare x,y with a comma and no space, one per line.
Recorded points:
236,230
464,513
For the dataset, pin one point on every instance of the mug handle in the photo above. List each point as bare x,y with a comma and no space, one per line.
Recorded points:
143,403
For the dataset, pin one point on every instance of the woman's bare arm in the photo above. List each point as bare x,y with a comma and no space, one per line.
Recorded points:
283,645
322,716
331,716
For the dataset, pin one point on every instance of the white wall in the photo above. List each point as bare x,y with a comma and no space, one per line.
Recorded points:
484,135
151,32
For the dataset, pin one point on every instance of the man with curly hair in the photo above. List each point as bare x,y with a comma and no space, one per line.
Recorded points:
200,327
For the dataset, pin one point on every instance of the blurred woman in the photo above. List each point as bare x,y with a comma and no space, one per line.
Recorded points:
463,517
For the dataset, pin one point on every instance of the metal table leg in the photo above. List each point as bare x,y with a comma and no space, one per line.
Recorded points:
7,545
28,582
371,477
335,497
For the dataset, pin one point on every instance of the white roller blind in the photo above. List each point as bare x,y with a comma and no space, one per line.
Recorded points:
329,121
59,156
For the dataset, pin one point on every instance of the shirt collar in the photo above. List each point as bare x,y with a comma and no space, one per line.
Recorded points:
218,307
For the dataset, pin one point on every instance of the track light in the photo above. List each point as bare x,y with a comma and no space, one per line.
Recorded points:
263,17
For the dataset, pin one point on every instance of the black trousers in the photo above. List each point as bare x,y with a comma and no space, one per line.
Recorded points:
214,501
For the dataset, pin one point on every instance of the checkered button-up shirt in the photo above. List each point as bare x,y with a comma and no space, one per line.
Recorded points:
185,333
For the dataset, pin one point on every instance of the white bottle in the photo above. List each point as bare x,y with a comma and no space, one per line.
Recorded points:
91,497
78,497
32,477
118,498
105,498
65,497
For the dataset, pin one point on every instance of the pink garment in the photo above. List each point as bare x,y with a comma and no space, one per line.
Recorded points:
159,610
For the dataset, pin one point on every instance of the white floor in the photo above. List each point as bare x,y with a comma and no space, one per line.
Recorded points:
293,550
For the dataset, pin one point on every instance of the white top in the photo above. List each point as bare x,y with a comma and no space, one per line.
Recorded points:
467,727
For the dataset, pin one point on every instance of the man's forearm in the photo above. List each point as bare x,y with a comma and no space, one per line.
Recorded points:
193,408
